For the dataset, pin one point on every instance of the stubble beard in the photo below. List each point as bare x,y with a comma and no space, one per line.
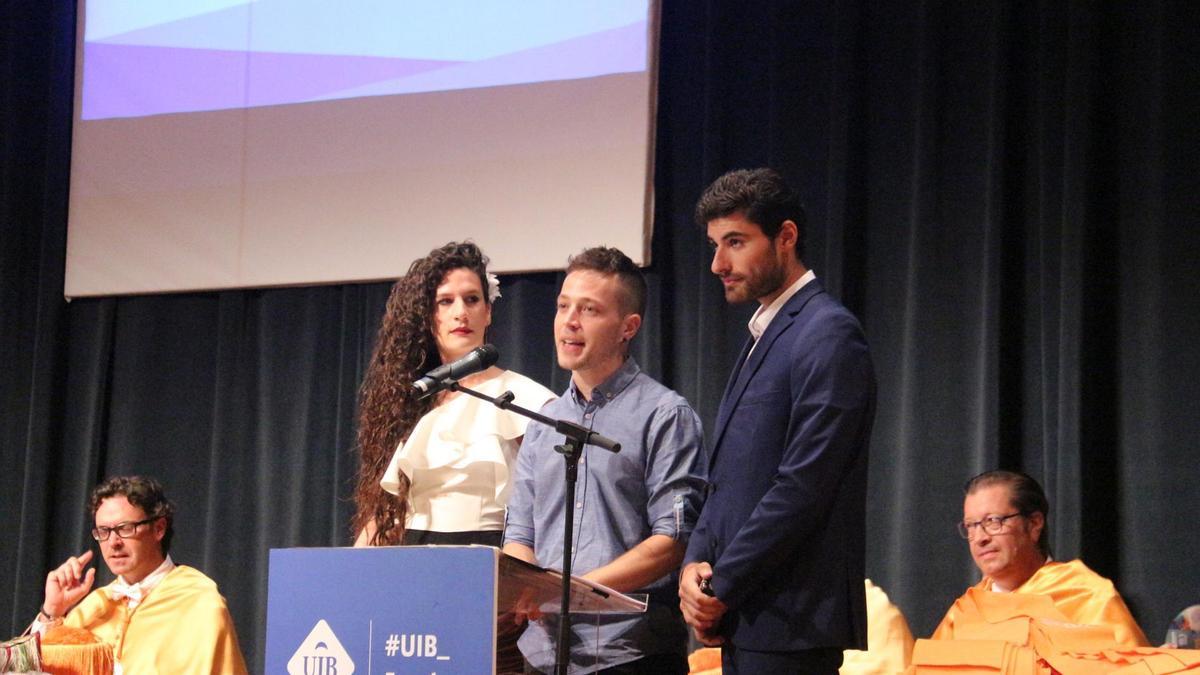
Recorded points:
761,282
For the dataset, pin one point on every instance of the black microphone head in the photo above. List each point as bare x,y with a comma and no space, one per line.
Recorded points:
475,361
488,356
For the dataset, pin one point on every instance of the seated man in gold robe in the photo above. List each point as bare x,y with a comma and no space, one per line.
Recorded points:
1004,523
157,616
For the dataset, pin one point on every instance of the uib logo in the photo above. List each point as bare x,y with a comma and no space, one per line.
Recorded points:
321,654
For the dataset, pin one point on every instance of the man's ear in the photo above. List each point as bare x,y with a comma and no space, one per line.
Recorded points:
788,235
1037,523
630,326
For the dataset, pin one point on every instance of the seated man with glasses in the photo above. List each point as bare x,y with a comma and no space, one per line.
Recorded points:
1004,523
157,616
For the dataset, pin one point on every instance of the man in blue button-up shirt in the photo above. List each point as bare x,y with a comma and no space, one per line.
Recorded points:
633,510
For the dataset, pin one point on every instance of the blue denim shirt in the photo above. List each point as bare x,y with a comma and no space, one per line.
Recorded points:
654,485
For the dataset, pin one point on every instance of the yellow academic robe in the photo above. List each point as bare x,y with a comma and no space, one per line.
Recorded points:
1025,634
182,626
889,640
1081,595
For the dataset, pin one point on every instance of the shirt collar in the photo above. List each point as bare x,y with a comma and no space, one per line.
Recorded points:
609,388
765,313
137,592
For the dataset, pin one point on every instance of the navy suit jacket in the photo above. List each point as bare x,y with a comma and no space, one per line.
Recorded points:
784,524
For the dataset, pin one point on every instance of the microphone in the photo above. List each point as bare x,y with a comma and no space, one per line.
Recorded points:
477,360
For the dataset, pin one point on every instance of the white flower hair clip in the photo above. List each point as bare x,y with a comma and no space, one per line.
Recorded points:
493,287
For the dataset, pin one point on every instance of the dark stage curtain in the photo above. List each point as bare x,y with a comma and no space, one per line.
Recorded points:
1004,192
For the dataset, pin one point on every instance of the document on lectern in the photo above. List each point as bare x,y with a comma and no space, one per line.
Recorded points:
525,585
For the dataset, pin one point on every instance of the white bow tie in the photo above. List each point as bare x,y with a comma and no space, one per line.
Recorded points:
121,590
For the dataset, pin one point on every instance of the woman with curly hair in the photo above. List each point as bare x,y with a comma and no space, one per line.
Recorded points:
435,470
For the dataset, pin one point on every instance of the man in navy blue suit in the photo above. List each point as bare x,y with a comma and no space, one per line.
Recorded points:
774,569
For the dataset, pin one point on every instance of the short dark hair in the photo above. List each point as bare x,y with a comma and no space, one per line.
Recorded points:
612,262
143,492
1024,492
761,195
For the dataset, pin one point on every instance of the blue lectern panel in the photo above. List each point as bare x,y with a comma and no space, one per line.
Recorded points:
374,611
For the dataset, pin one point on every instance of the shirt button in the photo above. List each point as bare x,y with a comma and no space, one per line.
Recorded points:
579,505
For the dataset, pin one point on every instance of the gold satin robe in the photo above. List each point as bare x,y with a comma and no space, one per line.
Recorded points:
1080,594
182,626
1065,620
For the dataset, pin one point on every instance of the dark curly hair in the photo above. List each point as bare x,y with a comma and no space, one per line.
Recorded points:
143,492
761,195
389,407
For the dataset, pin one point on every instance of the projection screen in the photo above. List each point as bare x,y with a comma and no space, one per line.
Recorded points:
242,143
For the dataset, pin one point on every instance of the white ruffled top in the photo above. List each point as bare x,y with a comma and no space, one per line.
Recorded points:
459,456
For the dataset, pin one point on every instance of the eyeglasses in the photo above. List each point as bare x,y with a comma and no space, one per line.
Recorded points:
123,530
991,525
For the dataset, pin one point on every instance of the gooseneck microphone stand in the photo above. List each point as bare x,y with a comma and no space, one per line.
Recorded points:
576,436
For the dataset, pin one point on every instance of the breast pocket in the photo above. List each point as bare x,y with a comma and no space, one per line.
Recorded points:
761,408
774,395
757,425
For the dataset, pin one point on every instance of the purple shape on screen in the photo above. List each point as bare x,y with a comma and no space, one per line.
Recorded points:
620,50
291,78
130,81
133,81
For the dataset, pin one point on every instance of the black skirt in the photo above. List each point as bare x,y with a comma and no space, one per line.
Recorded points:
430,538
